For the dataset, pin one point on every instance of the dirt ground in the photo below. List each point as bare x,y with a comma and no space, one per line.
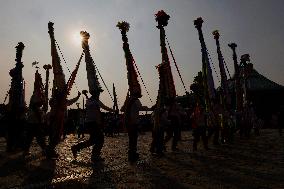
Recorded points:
256,163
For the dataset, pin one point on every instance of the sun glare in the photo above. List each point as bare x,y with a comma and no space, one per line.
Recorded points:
76,38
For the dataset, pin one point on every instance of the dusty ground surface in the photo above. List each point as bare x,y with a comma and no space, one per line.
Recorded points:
254,163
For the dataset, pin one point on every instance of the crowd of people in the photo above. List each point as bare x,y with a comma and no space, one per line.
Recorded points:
218,124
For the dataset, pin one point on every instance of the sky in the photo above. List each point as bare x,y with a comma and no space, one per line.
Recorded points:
256,26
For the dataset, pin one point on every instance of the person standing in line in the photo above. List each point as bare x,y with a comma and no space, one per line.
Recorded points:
216,120
157,145
174,131
199,120
132,104
131,107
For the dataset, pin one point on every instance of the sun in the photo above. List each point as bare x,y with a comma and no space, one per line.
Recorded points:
76,38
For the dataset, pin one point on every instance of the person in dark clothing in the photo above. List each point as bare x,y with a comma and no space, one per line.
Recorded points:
15,130
199,127
34,128
174,130
133,106
81,125
245,123
160,124
280,115
3,120
56,121
94,123
216,121
110,124
257,126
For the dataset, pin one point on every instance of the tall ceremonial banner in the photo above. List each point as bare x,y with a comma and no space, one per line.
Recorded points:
209,88
134,88
244,72
58,98
72,77
133,83
115,105
47,67
59,82
167,89
94,86
238,90
60,89
224,81
16,93
38,96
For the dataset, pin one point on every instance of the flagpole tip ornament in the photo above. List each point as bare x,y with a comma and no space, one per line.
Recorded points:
162,18
47,67
94,86
232,45
194,87
123,26
35,63
245,57
20,46
198,22
216,34
50,28
84,92
19,51
85,37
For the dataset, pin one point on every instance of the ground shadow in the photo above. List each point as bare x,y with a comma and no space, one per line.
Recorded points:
41,175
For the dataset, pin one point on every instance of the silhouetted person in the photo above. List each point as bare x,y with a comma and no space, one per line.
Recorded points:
3,120
174,130
34,127
199,128
15,129
132,121
81,126
94,123
57,119
216,121
257,126
245,123
157,145
281,122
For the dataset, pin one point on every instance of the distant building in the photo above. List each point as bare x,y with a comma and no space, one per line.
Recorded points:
266,96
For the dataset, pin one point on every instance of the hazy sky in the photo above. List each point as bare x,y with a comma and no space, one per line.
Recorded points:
256,26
